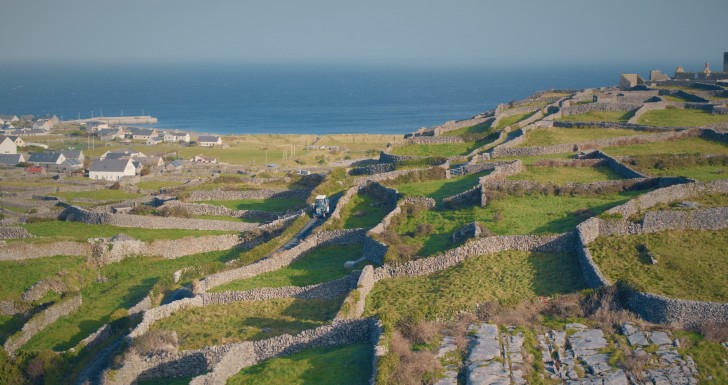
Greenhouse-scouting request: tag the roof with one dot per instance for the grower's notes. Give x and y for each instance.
(142, 131)
(177, 133)
(176, 163)
(72, 154)
(116, 155)
(208, 138)
(109, 165)
(44, 157)
(320, 196)
(10, 159)
(73, 162)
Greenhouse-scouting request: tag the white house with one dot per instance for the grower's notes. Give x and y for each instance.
(18, 141)
(43, 124)
(46, 159)
(11, 160)
(175, 137)
(203, 159)
(110, 133)
(209, 141)
(7, 146)
(111, 169)
(155, 140)
(142, 133)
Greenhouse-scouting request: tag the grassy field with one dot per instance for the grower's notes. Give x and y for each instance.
(537, 214)
(691, 264)
(323, 264)
(529, 160)
(79, 231)
(439, 189)
(505, 122)
(444, 149)
(127, 282)
(674, 117)
(552, 135)
(508, 277)
(680, 146)
(258, 150)
(705, 173)
(17, 276)
(599, 116)
(364, 211)
(476, 129)
(563, 175)
(99, 195)
(157, 184)
(350, 364)
(245, 321)
(275, 205)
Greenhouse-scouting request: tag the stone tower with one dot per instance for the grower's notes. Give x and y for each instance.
(725, 61)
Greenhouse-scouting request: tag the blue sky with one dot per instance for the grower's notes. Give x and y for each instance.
(468, 32)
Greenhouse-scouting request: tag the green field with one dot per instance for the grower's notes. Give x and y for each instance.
(551, 136)
(98, 195)
(674, 117)
(444, 149)
(599, 116)
(690, 264)
(81, 232)
(528, 214)
(508, 277)
(470, 130)
(322, 264)
(275, 205)
(563, 175)
(350, 364)
(364, 211)
(505, 122)
(155, 185)
(705, 173)
(442, 188)
(128, 282)
(245, 321)
(680, 146)
(17, 276)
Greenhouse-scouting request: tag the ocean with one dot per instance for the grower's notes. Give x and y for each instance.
(284, 99)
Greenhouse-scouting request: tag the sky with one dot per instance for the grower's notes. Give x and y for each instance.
(436, 32)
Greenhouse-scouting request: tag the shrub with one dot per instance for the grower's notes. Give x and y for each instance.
(142, 210)
(175, 211)
(425, 229)
(145, 171)
(115, 186)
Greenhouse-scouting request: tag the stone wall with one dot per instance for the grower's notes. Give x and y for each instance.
(161, 312)
(647, 107)
(374, 251)
(471, 197)
(77, 214)
(651, 307)
(503, 151)
(372, 169)
(591, 107)
(328, 290)
(207, 209)
(14, 233)
(620, 168)
(488, 245)
(282, 258)
(435, 140)
(18, 251)
(39, 322)
(223, 195)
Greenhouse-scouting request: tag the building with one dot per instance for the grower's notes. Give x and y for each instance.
(155, 140)
(630, 81)
(7, 145)
(142, 133)
(204, 159)
(11, 160)
(111, 169)
(35, 170)
(151, 161)
(70, 165)
(209, 141)
(110, 133)
(18, 141)
(120, 154)
(43, 124)
(175, 137)
(46, 159)
(76, 155)
(96, 126)
(175, 165)
(9, 118)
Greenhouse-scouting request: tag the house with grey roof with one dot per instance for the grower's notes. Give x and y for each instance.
(74, 154)
(7, 146)
(18, 141)
(11, 160)
(175, 165)
(70, 165)
(111, 169)
(110, 133)
(209, 141)
(119, 154)
(142, 133)
(46, 159)
(175, 137)
(42, 124)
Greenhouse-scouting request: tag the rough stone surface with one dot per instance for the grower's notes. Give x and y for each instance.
(224, 195)
(14, 233)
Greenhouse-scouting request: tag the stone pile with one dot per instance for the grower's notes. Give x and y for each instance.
(669, 367)
(489, 362)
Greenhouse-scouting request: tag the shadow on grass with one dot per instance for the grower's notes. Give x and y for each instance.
(556, 273)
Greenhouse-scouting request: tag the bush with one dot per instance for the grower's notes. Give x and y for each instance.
(175, 211)
(115, 186)
(227, 179)
(142, 210)
(145, 171)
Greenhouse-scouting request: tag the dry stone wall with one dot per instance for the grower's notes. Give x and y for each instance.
(14, 233)
(19, 251)
(372, 169)
(656, 308)
(328, 290)
(40, 321)
(592, 107)
(435, 140)
(207, 209)
(77, 214)
(222, 195)
(488, 245)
